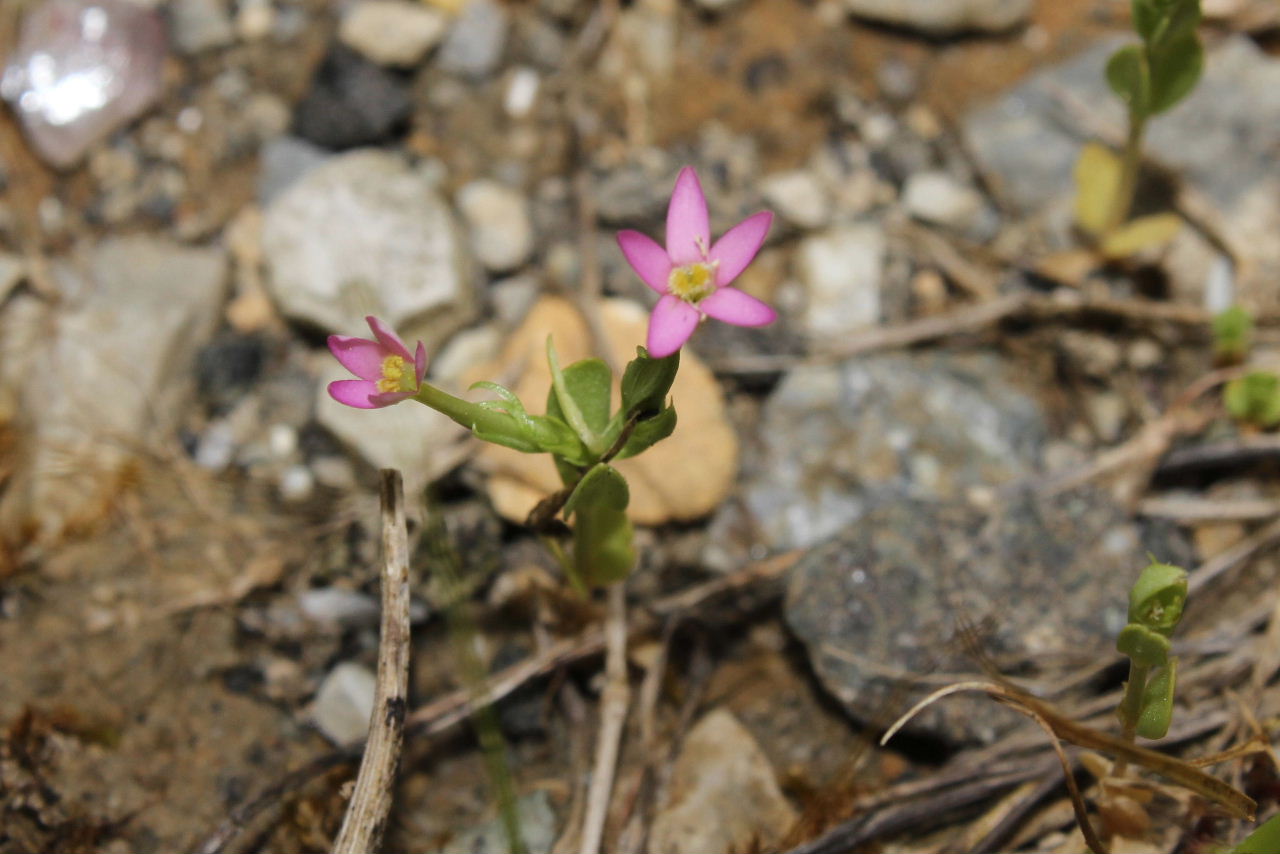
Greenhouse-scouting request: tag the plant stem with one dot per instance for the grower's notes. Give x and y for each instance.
(1131, 164)
(1130, 707)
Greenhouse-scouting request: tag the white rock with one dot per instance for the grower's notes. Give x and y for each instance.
(522, 92)
(716, 5)
(392, 32)
(344, 703)
(723, 794)
(939, 198)
(841, 269)
(498, 217)
(338, 606)
(362, 234)
(296, 483)
(200, 25)
(115, 367)
(799, 197)
(944, 16)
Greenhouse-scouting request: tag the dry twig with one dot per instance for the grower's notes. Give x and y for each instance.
(371, 801)
(613, 714)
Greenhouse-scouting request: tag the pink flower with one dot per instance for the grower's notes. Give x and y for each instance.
(693, 274)
(388, 373)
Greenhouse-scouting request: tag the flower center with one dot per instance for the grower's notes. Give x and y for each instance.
(395, 375)
(694, 282)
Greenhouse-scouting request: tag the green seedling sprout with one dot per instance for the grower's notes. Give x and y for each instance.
(1232, 335)
(1150, 77)
(1254, 399)
(1156, 602)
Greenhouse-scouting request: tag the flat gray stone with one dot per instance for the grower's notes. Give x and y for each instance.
(841, 439)
(116, 366)
(1043, 579)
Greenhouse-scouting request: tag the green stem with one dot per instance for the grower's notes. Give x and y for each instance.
(1131, 165)
(1130, 708)
(464, 412)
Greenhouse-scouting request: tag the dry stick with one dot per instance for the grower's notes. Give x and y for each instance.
(613, 714)
(371, 801)
(1232, 557)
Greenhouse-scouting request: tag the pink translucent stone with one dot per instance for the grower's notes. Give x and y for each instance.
(81, 69)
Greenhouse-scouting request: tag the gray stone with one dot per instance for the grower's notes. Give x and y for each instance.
(537, 824)
(116, 367)
(473, 47)
(940, 17)
(878, 605)
(365, 234)
(200, 25)
(392, 32)
(344, 703)
(716, 5)
(338, 606)
(799, 197)
(352, 102)
(498, 219)
(841, 270)
(1233, 116)
(839, 440)
(939, 198)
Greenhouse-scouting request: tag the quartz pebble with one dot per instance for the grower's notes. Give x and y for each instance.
(82, 69)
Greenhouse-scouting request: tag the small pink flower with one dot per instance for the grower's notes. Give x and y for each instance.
(693, 274)
(388, 373)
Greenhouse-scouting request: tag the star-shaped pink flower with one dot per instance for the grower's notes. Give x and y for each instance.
(388, 373)
(693, 274)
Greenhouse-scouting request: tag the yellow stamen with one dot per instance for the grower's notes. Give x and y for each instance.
(694, 282)
(395, 375)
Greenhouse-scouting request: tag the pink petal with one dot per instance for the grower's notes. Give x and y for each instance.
(387, 398)
(360, 356)
(647, 258)
(687, 221)
(735, 249)
(388, 338)
(357, 393)
(420, 363)
(741, 309)
(672, 322)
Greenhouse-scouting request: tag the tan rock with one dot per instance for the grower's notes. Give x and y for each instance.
(723, 794)
(683, 477)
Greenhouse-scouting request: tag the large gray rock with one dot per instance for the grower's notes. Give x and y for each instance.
(114, 366)
(363, 233)
(941, 17)
(878, 605)
(840, 440)
(1029, 143)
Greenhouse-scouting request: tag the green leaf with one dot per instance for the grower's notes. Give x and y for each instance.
(1254, 398)
(1098, 176)
(1145, 646)
(1264, 840)
(1232, 334)
(649, 432)
(603, 541)
(646, 381)
(1158, 596)
(1146, 17)
(1157, 702)
(580, 396)
(1128, 77)
(553, 436)
(1145, 232)
(1176, 67)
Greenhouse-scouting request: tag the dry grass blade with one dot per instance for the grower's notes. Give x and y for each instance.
(1235, 802)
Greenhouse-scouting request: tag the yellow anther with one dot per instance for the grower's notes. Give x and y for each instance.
(694, 282)
(395, 375)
